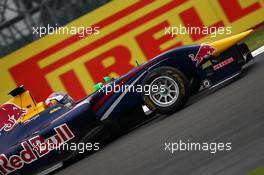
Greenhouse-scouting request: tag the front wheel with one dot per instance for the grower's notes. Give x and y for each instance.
(168, 90)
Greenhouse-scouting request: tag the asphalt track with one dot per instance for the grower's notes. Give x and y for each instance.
(233, 113)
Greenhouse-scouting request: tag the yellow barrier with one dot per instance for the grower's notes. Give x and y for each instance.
(129, 31)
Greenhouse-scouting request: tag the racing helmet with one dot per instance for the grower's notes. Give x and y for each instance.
(59, 97)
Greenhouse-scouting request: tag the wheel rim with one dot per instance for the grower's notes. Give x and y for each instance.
(167, 96)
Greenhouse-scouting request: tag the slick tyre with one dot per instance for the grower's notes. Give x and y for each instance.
(168, 90)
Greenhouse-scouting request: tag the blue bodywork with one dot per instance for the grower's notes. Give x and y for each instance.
(99, 106)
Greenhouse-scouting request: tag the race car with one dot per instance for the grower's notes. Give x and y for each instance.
(164, 84)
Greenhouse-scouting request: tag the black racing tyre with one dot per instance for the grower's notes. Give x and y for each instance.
(172, 93)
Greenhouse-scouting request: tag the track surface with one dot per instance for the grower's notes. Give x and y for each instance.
(234, 113)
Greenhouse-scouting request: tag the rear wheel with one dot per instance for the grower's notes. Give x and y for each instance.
(168, 90)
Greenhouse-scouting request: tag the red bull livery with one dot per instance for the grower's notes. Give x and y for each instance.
(205, 51)
(32, 134)
(10, 115)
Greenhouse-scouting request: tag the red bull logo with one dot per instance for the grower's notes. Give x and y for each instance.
(10, 115)
(205, 51)
(32, 150)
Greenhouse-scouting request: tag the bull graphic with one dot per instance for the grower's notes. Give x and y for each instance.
(205, 51)
(10, 115)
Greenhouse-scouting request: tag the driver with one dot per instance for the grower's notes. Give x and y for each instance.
(59, 97)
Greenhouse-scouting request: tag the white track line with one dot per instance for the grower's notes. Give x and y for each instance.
(257, 51)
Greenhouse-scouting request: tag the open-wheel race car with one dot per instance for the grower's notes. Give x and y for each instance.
(27, 128)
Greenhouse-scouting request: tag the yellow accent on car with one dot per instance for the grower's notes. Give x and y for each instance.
(207, 64)
(223, 44)
(26, 101)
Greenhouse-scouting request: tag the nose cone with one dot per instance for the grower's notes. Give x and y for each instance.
(223, 44)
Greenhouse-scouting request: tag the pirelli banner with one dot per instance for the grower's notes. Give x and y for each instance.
(117, 35)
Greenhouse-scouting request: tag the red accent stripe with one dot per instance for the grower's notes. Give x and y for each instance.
(113, 35)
